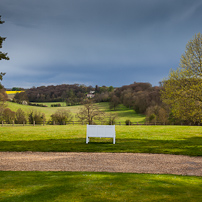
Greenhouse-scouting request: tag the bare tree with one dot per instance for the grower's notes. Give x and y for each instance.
(90, 113)
(112, 117)
(114, 102)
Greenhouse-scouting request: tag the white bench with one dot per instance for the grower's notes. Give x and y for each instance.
(107, 131)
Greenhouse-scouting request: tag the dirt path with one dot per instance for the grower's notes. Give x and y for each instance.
(101, 162)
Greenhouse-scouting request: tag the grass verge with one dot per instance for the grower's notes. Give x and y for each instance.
(88, 186)
(184, 140)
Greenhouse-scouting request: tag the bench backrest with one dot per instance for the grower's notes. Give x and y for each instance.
(101, 131)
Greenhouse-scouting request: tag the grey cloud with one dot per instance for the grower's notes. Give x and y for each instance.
(93, 37)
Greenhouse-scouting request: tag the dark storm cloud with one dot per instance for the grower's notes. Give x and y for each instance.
(105, 42)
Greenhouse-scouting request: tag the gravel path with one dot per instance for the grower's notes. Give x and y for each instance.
(101, 162)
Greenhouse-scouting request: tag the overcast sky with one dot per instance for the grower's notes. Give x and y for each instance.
(103, 42)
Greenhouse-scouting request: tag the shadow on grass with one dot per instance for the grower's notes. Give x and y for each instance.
(86, 186)
(190, 146)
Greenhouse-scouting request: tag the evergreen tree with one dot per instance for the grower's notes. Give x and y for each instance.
(2, 55)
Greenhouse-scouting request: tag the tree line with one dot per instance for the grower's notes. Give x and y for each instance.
(71, 94)
(136, 96)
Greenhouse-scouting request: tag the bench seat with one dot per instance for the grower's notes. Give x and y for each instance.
(107, 131)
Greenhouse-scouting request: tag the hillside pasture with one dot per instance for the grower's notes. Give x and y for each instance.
(123, 113)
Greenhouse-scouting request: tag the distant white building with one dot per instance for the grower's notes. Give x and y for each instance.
(24, 102)
(91, 94)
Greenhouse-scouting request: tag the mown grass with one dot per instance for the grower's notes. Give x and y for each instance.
(123, 113)
(185, 140)
(88, 186)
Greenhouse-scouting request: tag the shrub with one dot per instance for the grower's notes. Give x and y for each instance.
(37, 105)
(152, 118)
(1, 111)
(61, 116)
(112, 118)
(8, 115)
(56, 105)
(20, 117)
(157, 114)
(36, 116)
(128, 122)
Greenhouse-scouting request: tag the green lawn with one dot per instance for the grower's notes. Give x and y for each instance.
(91, 187)
(185, 140)
(123, 112)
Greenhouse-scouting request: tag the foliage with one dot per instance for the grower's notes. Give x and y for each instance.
(3, 95)
(20, 97)
(62, 116)
(114, 102)
(20, 117)
(2, 107)
(36, 116)
(157, 114)
(90, 113)
(8, 115)
(128, 122)
(2, 55)
(139, 96)
(37, 104)
(183, 89)
(71, 94)
(17, 89)
(56, 105)
(102, 97)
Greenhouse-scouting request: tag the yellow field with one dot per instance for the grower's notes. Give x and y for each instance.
(13, 92)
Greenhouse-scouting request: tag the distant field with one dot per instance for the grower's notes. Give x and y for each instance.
(13, 92)
(123, 112)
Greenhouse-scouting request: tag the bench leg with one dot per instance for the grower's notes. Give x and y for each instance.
(114, 140)
(87, 140)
